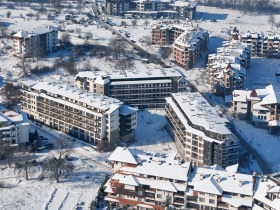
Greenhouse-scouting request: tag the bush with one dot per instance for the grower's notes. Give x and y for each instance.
(40, 70)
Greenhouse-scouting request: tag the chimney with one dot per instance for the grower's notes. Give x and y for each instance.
(267, 187)
(240, 182)
(265, 178)
(218, 179)
(201, 176)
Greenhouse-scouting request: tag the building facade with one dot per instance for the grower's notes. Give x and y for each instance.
(35, 42)
(189, 46)
(155, 9)
(260, 106)
(227, 68)
(91, 117)
(138, 88)
(200, 134)
(14, 127)
(146, 180)
(262, 45)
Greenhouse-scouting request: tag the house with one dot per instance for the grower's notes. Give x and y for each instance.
(259, 106)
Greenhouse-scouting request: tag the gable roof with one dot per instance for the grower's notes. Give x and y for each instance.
(123, 154)
(209, 185)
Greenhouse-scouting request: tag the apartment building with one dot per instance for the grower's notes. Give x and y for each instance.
(260, 106)
(156, 9)
(227, 68)
(267, 195)
(14, 127)
(200, 134)
(214, 187)
(141, 88)
(189, 46)
(91, 117)
(262, 45)
(145, 180)
(161, 35)
(35, 42)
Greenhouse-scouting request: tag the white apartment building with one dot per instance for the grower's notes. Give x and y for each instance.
(88, 116)
(35, 42)
(14, 127)
(260, 106)
(141, 88)
(144, 180)
(200, 134)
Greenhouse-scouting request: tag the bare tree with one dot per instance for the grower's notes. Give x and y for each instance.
(87, 66)
(146, 22)
(134, 23)
(119, 46)
(65, 39)
(123, 23)
(77, 51)
(3, 30)
(11, 95)
(88, 35)
(37, 16)
(23, 162)
(271, 20)
(7, 152)
(125, 63)
(8, 14)
(277, 25)
(24, 66)
(56, 165)
(147, 40)
(70, 65)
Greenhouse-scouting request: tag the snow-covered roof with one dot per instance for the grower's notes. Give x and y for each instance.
(269, 95)
(217, 181)
(200, 112)
(126, 110)
(115, 76)
(263, 187)
(13, 117)
(84, 99)
(35, 31)
(154, 164)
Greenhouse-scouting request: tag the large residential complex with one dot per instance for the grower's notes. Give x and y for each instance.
(145, 180)
(35, 42)
(260, 106)
(156, 9)
(188, 42)
(14, 127)
(200, 134)
(146, 88)
(88, 116)
(263, 45)
(227, 68)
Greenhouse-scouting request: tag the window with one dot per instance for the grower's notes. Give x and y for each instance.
(159, 196)
(211, 201)
(201, 199)
(212, 195)
(140, 192)
(201, 193)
